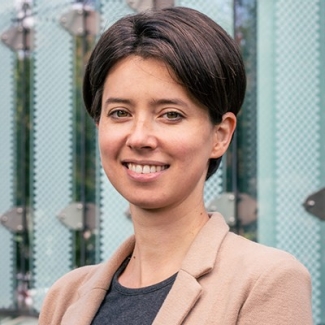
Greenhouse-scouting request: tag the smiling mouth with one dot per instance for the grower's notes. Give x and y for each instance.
(146, 169)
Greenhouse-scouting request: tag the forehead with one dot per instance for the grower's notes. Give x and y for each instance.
(143, 74)
(152, 66)
(133, 71)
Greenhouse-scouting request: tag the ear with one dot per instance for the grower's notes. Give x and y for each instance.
(223, 133)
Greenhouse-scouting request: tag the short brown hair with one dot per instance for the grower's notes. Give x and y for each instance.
(203, 57)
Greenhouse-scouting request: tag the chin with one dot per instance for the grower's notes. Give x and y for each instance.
(148, 204)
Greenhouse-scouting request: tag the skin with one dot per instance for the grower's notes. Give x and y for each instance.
(149, 119)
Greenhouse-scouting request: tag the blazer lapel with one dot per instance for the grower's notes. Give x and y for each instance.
(181, 299)
(83, 311)
(199, 260)
(92, 293)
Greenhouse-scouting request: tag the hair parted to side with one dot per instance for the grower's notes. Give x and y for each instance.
(203, 57)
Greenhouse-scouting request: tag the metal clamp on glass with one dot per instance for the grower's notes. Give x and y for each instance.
(76, 216)
(16, 220)
(141, 5)
(80, 20)
(225, 204)
(315, 204)
(20, 36)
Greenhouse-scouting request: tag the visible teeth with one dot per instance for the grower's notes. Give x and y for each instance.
(138, 169)
(145, 169)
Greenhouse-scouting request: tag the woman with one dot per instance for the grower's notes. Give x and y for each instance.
(164, 88)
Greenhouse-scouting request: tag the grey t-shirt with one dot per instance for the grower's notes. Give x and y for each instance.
(124, 306)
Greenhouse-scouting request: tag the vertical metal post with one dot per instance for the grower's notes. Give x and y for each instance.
(234, 145)
(245, 136)
(23, 130)
(82, 22)
(83, 145)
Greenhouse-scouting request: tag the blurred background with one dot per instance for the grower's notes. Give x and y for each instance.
(57, 209)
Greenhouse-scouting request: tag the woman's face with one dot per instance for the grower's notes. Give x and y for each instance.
(155, 140)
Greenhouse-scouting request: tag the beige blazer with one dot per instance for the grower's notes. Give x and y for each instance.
(225, 279)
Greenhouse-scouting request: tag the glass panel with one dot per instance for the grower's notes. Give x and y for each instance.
(7, 159)
(321, 301)
(289, 122)
(85, 166)
(52, 141)
(112, 10)
(219, 10)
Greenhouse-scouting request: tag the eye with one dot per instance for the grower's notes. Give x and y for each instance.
(173, 116)
(119, 113)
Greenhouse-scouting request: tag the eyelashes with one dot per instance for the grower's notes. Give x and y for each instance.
(170, 116)
(119, 113)
(173, 116)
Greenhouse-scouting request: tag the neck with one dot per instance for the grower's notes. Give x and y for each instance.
(162, 241)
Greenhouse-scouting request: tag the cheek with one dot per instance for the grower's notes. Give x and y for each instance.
(195, 147)
(107, 143)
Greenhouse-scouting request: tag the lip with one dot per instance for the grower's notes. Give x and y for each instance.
(143, 162)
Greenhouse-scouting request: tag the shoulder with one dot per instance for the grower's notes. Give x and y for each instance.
(64, 292)
(272, 283)
(238, 257)
(264, 270)
(259, 256)
(76, 277)
(65, 289)
(276, 286)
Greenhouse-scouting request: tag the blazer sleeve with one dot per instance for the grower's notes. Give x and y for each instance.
(281, 295)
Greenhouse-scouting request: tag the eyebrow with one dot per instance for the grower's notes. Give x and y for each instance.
(117, 100)
(169, 101)
(154, 102)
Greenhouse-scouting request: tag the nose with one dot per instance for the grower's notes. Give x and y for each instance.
(142, 135)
